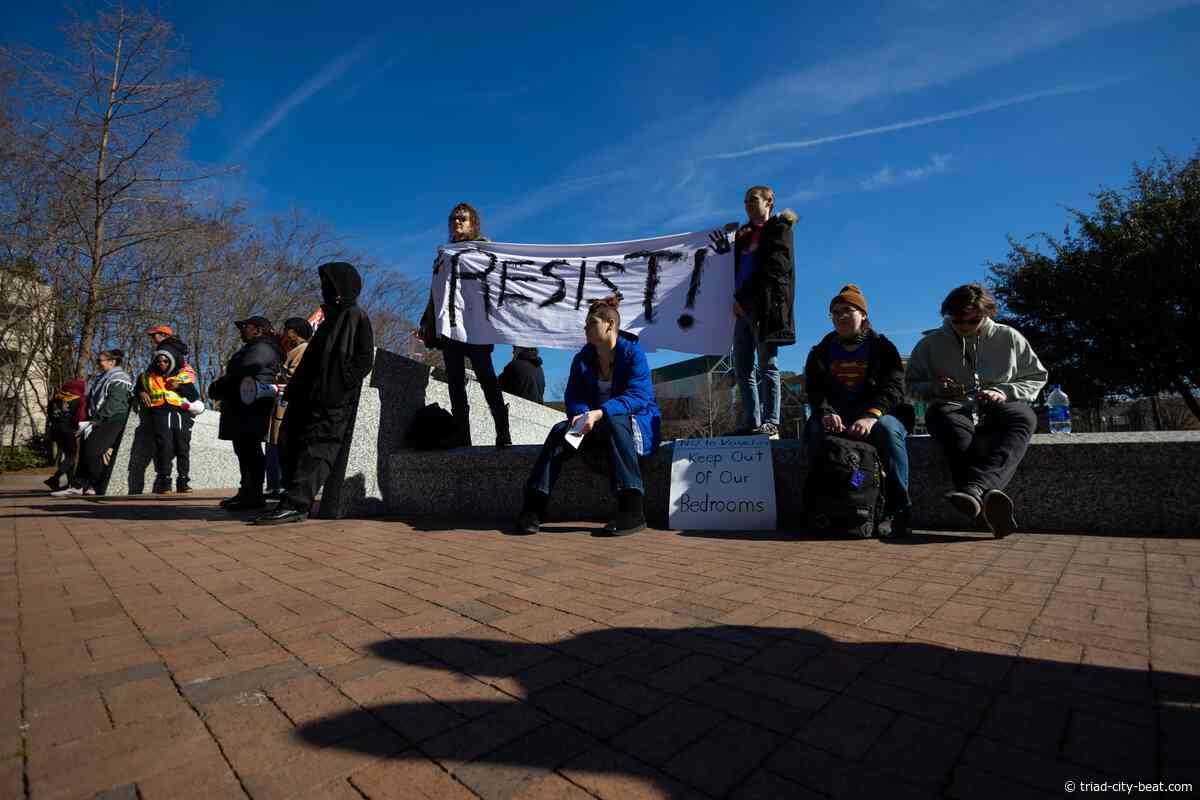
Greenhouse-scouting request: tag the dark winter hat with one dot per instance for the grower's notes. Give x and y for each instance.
(261, 322)
(852, 295)
(300, 325)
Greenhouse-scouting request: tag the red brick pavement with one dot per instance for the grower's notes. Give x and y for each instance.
(161, 648)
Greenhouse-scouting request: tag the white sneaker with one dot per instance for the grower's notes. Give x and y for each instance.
(89, 490)
(768, 429)
(70, 491)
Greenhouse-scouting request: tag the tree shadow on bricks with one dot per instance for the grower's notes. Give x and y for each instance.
(744, 711)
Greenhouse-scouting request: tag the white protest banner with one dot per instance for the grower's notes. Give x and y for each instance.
(727, 483)
(676, 291)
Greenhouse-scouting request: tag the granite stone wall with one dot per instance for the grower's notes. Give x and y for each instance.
(1138, 484)
(395, 390)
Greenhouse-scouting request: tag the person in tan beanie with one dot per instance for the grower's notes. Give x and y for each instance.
(855, 378)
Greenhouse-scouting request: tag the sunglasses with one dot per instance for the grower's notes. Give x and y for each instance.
(966, 321)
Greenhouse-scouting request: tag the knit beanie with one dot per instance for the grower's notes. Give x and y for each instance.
(850, 294)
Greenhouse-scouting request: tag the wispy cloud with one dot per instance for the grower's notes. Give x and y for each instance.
(886, 176)
(961, 113)
(327, 75)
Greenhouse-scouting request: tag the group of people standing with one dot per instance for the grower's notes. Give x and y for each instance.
(978, 377)
(300, 403)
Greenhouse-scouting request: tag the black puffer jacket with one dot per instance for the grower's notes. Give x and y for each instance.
(882, 390)
(259, 359)
(770, 292)
(523, 376)
(342, 351)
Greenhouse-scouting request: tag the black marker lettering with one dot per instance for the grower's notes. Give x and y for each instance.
(582, 279)
(505, 279)
(482, 277)
(698, 258)
(561, 291)
(618, 266)
(651, 292)
(453, 289)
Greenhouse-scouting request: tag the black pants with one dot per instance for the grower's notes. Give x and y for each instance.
(68, 443)
(986, 456)
(252, 463)
(172, 442)
(456, 357)
(310, 442)
(142, 452)
(92, 470)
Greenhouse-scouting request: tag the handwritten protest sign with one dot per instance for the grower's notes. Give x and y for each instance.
(726, 483)
(676, 291)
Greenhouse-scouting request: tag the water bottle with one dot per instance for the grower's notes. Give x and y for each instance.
(1060, 410)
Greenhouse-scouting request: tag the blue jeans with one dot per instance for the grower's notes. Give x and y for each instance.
(889, 438)
(611, 435)
(765, 380)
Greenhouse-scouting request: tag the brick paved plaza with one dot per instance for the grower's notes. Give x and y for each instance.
(161, 648)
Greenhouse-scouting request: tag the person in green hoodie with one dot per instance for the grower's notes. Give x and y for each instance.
(979, 377)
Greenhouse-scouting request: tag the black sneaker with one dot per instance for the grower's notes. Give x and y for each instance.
(228, 501)
(895, 526)
(183, 486)
(280, 515)
(246, 504)
(998, 513)
(527, 522)
(967, 500)
(624, 524)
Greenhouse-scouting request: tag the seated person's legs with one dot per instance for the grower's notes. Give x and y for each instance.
(1005, 431)
(890, 439)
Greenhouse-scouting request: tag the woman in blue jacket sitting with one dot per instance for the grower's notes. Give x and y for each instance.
(610, 400)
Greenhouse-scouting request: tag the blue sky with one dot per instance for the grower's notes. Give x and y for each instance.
(910, 137)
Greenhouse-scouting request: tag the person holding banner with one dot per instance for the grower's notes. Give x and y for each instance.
(855, 379)
(246, 418)
(764, 291)
(464, 226)
(610, 407)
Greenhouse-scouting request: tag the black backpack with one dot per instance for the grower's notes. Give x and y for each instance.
(62, 412)
(844, 492)
(432, 428)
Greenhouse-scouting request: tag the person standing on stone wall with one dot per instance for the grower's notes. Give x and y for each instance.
(245, 410)
(764, 291)
(296, 333)
(523, 376)
(465, 227)
(980, 377)
(322, 397)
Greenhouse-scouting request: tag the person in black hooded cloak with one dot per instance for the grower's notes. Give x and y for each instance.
(323, 394)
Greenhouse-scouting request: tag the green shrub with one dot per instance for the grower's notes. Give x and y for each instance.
(34, 453)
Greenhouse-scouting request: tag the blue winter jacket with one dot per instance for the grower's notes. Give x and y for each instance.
(632, 392)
